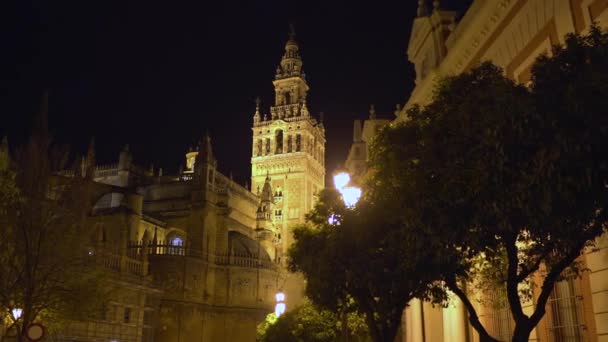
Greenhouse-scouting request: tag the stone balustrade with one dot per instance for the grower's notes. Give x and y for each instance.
(143, 250)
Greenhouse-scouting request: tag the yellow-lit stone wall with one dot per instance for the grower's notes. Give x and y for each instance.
(288, 147)
(511, 34)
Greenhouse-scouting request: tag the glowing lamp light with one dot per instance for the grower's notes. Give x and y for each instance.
(279, 309)
(340, 180)
(17, 313)
(351, 196)
(333, 220)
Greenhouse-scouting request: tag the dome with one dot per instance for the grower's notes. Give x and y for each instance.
(244, 246)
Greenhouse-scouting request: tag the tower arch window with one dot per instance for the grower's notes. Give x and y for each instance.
(259, 147)
(289, 144)
(287, 97)
(267, 146)
(279, 141)
(298, 142)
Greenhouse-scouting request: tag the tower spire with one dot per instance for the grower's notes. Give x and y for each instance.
(292, 32)
(291, 63)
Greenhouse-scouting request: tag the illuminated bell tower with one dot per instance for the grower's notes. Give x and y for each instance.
(289, 150)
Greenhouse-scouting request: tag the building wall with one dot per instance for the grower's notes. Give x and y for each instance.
(511, 34)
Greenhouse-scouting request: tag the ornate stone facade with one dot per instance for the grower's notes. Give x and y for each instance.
(196, 256)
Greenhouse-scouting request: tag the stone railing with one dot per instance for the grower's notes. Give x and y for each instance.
(243, 261)
(142, 250)
(106, 167)
(116, 262)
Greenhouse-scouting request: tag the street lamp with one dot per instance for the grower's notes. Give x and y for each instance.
(350, 194)
(279, 309)
(341, 179)
(17, 313)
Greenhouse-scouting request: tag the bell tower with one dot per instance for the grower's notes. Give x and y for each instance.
(289, 153)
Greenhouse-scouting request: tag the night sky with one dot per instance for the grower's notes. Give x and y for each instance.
(158, 75)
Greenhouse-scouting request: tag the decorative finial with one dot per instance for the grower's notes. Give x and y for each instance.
(304, 110)
(422, 10)
(268, 175)
(436, 5)
(91, 158)
(256, 116)
(397, 110)
(292, 32)
(372, 112)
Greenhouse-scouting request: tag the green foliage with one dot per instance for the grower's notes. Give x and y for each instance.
(270, 319)
(365, 259)
(309, 323)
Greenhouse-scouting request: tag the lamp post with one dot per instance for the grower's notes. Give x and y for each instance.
(17, 312)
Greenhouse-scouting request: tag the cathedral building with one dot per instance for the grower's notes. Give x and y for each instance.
(194, 255)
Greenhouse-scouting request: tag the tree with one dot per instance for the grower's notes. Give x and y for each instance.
(507, 180)
(360, 256)
(44, 266)
(310, 323)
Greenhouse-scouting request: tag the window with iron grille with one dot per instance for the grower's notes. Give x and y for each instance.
(565, 305)
(498, 317)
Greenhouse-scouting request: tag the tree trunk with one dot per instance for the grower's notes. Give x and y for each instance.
(473, 318)
(371, 325)
(522, 332)
(345, 334)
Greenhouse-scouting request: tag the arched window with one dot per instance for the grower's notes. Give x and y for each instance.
(267, 146)
(259, 147)
(289, 144)
(279, 141)
(287, 96)
(176, 246)
(298, 142)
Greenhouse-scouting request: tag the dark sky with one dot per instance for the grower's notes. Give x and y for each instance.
(158, 74)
